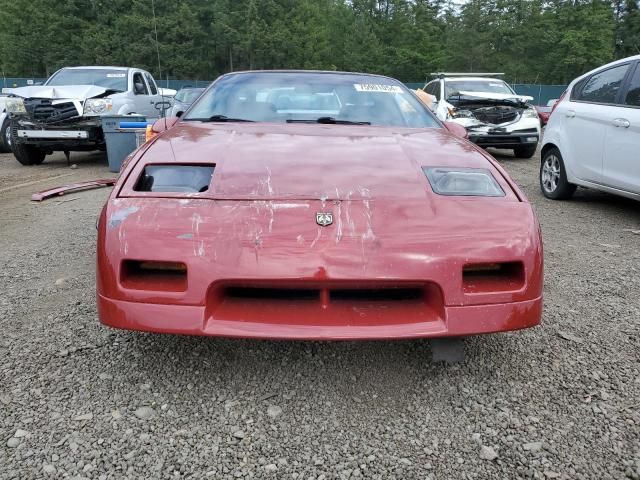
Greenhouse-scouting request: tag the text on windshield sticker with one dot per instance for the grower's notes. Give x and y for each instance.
(372, 87)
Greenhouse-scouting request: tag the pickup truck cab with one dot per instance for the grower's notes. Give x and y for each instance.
(64, 113)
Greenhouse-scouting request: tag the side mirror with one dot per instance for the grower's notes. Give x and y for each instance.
(162, 107)
(457, 129)
(164, 124)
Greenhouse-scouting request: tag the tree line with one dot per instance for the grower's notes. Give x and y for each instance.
(532, 41)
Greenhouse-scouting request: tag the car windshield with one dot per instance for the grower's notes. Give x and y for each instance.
(310, 97)
(480, 86)
(188, 95)
(102, 77)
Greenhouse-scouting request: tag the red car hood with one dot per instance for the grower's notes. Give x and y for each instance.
(316, 161)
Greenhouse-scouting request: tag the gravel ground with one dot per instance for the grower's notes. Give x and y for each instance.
(80, 401)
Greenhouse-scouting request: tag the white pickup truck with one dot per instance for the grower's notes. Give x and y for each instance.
(64, 113)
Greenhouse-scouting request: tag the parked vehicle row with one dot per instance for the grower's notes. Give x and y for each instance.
(589, 141)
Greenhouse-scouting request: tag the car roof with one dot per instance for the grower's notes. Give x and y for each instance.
(474, 79)
(633, 58)
(323, 72)
(94, 67)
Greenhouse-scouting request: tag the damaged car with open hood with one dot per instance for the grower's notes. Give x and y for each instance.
(65, 113)
(488, 108)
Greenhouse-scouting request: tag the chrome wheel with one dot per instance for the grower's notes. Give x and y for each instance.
(550, 173)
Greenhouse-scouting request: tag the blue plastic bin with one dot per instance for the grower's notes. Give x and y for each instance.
(120, 141)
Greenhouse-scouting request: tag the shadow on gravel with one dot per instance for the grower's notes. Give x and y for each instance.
(380, 367)
(585, 196)
(599, 205)
(507, 155)
(89, 159)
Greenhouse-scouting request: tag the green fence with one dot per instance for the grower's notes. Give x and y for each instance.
(9, 82)
(541, 93)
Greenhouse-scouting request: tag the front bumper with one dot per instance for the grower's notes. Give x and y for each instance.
(250, 274)
(197, 320)
(54, 134)
(525, 131)
(504, 139)
(79, 134)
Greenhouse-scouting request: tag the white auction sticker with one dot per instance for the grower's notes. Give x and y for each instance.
(116, 75)
(372, 87)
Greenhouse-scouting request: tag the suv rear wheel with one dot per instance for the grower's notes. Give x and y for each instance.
(526, 151)
(25, 154)
(553, 176)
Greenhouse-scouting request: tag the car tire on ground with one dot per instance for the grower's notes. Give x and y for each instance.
(553, 176)
(5, 136)
(526, 151)
(25, 154)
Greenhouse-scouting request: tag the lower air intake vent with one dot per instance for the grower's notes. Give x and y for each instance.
(493, 277)
(333, 303)
(154, 276)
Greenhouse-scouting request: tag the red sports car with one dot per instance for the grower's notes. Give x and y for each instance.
(316, 205)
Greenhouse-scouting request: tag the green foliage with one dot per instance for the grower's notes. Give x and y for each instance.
(544, 41)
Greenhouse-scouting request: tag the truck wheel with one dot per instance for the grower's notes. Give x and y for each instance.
(5, 136)
(25, 154)
(526, 151)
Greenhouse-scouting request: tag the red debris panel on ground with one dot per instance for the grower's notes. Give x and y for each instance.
(72, 187)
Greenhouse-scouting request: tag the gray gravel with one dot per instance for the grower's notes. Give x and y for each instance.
(80, 401)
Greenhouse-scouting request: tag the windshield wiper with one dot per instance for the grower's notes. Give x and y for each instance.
(327, 120)
(223, 118)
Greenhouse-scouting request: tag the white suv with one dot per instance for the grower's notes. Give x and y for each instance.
(593, 135)
(493, 114)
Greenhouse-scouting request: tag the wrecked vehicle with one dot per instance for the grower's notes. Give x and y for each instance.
(64, 113)
(316, 205)
(493, 114)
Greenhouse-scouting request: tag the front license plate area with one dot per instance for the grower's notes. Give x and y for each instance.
(53, 134)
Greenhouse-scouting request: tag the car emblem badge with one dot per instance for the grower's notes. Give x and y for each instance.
(324, 219)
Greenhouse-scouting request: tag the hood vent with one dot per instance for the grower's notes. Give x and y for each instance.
(175, 178)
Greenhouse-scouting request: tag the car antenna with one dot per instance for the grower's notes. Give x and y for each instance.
(155, 29)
